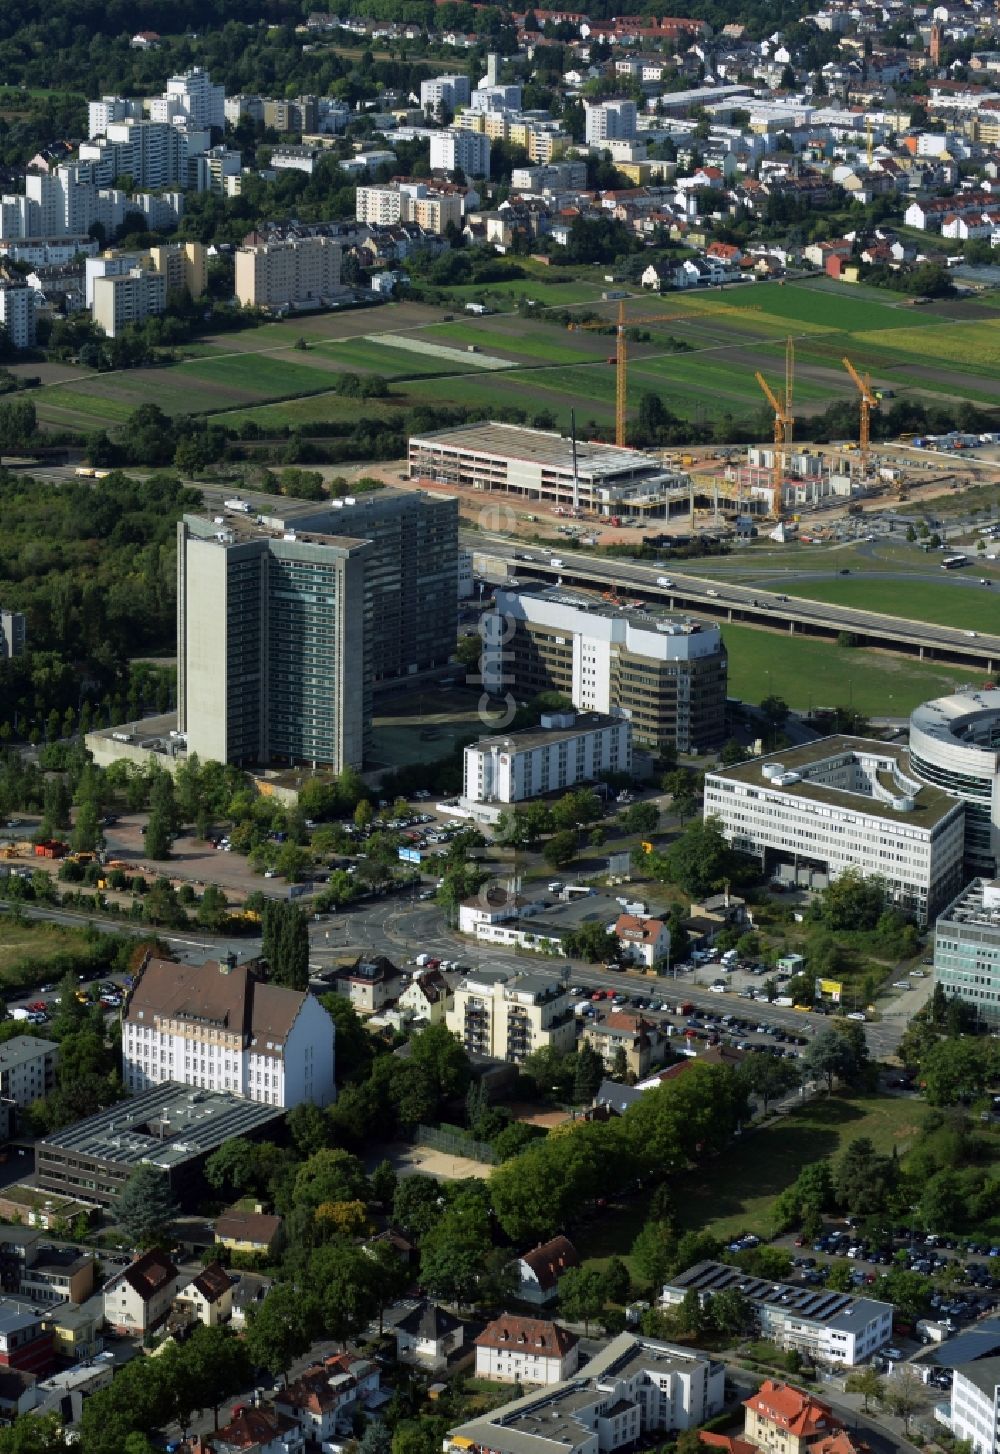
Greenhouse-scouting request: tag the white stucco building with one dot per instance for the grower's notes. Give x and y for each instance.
(566, 749)
(526, 1350)
(975, 1404)
(609, 121)
(812, 812)
(218, 1026)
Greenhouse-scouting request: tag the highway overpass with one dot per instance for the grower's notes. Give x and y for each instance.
(979, 651)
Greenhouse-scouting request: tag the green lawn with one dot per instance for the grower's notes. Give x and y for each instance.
(916, 600)
(808, 673)
(313, 408)
(736, 1191)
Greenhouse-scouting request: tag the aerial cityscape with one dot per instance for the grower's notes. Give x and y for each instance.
(499, 728)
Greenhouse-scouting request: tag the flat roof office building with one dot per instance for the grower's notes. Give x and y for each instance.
(812, 812)
(170, 1126)
(834, 1327)
(666, 674)
(967, 950)
(287, 618)
(955, 745)
(538, 465)
(567, 748)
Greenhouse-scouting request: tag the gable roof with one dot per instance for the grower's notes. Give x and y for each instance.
(628, 926)
(215, 996)
(240, 1226)
(527, 1335)
(213, 1282)
(148, 1274)
(792, 1409)
(251, 1428)
(550, 1260)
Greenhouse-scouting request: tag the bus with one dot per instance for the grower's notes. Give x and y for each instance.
(953, 562)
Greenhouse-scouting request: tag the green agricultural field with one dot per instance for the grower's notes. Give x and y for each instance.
(917, 600)
(314, 408)
(545, 343)
(845, 311)
(973, 344)
(808, 672)
(551, 295)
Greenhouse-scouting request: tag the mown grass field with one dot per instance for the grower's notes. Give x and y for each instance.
(26, 949)
(807, 672)
(730, 334)
(965, 607)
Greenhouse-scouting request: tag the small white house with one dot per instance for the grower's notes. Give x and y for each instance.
(209, 1296)
(643, 941)
(526, 1350)
(428, 1336)
(539, 1270)
(140, 1296)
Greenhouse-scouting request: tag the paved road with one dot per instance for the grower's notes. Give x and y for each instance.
(734, 601)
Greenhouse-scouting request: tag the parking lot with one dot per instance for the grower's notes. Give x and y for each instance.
(681, 1020)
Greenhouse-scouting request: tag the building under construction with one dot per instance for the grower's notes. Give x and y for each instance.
(538, 466)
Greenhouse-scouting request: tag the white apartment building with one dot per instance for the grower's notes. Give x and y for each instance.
(567, 748)
(456, 147)
(609, 121)
(219, 1027)
(17, 313)
(496, 98)
(815, 811)
(129, 297)
(526, 1350)
(975, 1405)
(153, 153)
(507, 1016)
(835, 1328)
(450, 91)
(27, 1069)
(67, 203)
(634, 1388)
(100, 114)
(299, 272)
(191, 96)
(415, 202)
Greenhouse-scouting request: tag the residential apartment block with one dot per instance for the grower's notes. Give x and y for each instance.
(967, 950)
(834, 1327)
(567, 748)
(13, 633)
(184, 266)
(541, 138)
(843, 803)
(153, 153)
(455, 147)
(429, 208)
(507, 1016)
(664, 673)
(27, 1069)
(17, 313)
(445, 91)
(609, 121)
(630, 1392)
(296, 272)
(526, 1350)
(67, 203)
(219, 1027)
(128, 298)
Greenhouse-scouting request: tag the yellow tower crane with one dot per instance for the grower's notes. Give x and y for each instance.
(784, 420)
(622, 324)
(869, 401)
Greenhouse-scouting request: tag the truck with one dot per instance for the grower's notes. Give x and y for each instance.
(664, 581)
(556, 563)
(19, 1013)
(240, 507)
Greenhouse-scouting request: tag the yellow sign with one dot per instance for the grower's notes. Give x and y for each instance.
(647, 848)
(832, 987)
